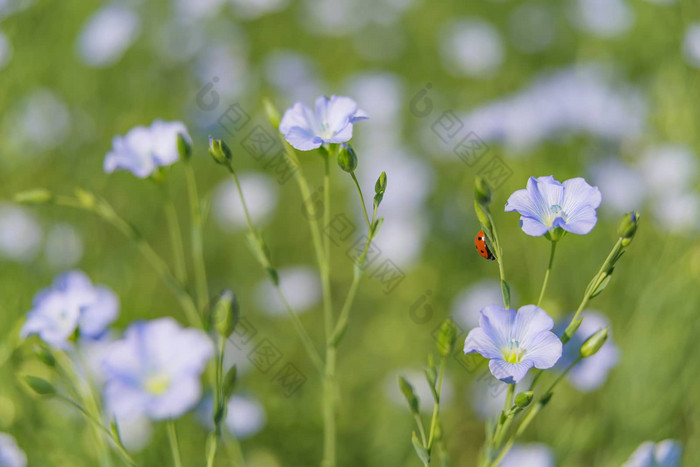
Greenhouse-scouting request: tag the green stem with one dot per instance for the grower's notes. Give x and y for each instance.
(499, 259)
(176, 241)
(200, 271)
(362, 200)
(107, 213)
(421, 430)
(546, 274)
(296, 322)
(98, 425)
(219, 403)
(174, 445)
(533, 412)
(436, 406)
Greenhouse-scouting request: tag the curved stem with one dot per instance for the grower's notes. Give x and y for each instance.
(105, 211)
(546, 274)
(200, 270)
(362, 199)
(174, 445)
(176, 241)
(436, 406)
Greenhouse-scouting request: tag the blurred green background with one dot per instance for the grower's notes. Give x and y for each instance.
(66, 91)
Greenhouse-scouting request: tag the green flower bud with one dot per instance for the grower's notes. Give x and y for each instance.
(44, 355)
(482, 215)
(482, 191)
(226, 313)
(85, 198)
(38, 196)
(408, 393)
(220, 151)
(523, 399)
(628, 225)
(347, 159)
(184, 147)
(594, 343)
(447, 338)
(380, 186)
(273, 116)
(40, 385)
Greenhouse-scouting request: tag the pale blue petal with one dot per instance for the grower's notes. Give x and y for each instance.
(533, 227)
(182, 396)
(522, 202)
(581, 221)
(510, 373)
(478, 341)
(668, 453)
(303, 139)
(530, 321)
(578, 192)
(497, 322)
(342, 136)
(340, 110)
(297, 116)
(552, 192)
(96, 317)
(643, 456)
(543, 350)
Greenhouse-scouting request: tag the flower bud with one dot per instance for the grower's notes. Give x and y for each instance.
(226, 313)
(273, 116)
(523, 399)
(44, 355)
(230, 382)
(594, 343)
(408, 393)
(85, 198)
(220, 151)
(347, 159)
(38, 196)
(482, 216)
(40, 385)
(628, 225)
(184, 147)
(447, 338)
(380, 186)
(482, 191)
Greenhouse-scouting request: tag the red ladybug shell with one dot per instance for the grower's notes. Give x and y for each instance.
(481, 247)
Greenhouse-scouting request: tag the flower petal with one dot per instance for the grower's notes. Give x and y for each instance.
(581, 221)
(299, 115)
(339, 111)
(342, 136)
(522, 202)
(303, 139)
(578, 192)
(543, 350)
(497, 322)
(529, 322)
(478, 341)
(533, 227)
(510, 373)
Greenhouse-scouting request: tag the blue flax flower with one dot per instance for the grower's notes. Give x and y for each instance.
(547, 204)
(514, 341)
(665, 453)
(144, 149)
(10, 454)
(154, 370)
(71, 302)
(331, 122)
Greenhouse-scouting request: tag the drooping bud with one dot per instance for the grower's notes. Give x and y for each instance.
(38, 196)
(40, 385)
(594, 343)
(273, 116)
(482, 216)
(220, 151)
(380, 186)
(408, 393)
(628, 227)
(347, 159)
(447, 338)
(226, 314)
(184, 147)
(523, 399)
(482, 191)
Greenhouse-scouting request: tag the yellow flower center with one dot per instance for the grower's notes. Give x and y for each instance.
(513, 353)
(157, 384)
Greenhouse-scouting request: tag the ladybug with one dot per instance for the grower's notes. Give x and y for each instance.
(482, 247)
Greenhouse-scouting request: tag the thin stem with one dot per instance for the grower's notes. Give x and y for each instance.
(117, 442)
(176, 241)
(362, 199)
(174, 445)
(436, 405)
(499, 259)
(200, 271)
(327, 299)
(546, 274)
(107, 213)
(509, 397)
(219, 403)
(296, 322)
(421, 430)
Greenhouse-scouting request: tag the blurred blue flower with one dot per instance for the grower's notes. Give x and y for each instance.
(528, 455)
(590, 373)
(71, 303)
(331, 122)
(665, 453)
(154, 369)
(10, 454)
(245, 416)
(547, 204)
(143, 149)
(514, 341)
